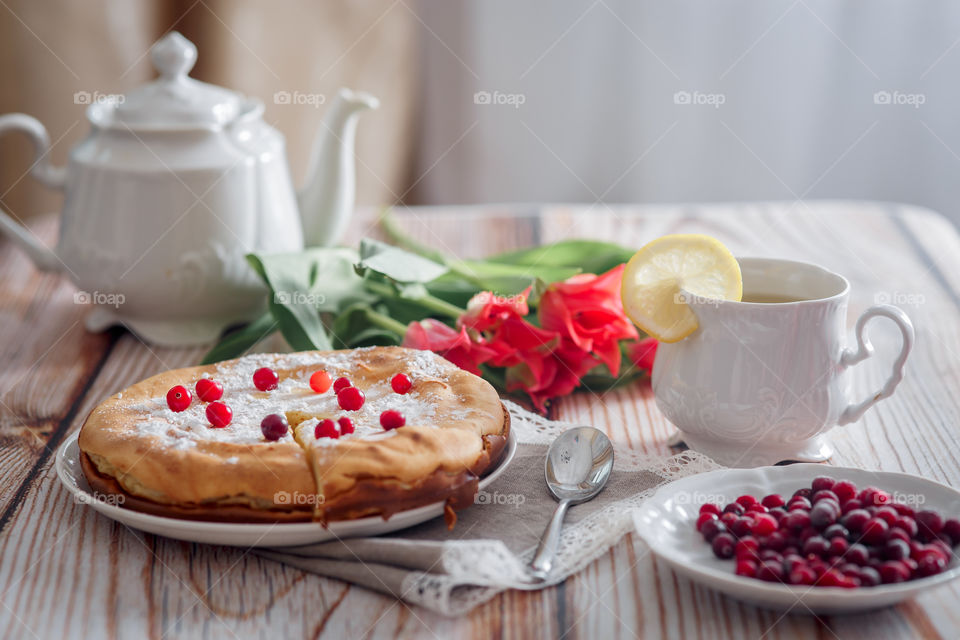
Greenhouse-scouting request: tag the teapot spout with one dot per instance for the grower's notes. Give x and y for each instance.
(326, 201)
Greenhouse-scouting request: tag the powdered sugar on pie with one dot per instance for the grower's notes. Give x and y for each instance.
(454, 423)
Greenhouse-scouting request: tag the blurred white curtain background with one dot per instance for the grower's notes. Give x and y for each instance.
(630, 101)
(613, 100)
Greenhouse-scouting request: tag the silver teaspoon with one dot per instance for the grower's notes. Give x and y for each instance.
(578, 466)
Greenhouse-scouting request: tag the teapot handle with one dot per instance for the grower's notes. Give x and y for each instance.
(41, 169)
(864, 350)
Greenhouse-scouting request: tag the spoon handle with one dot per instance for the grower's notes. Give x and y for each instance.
(543, 560)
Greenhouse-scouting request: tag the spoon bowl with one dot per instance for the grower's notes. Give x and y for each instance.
(578, 464)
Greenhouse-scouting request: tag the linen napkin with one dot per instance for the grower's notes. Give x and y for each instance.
(451, 572)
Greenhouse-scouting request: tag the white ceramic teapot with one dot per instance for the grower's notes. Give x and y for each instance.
(175, 183)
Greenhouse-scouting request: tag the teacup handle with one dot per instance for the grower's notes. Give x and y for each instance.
(864, 350)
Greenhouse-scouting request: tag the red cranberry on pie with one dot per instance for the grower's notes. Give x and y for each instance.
(392, 419)
(209, 390)
(274, 426)
(350, 399)
(179, 398)
(326, 428)
(401, 383)
(320, 381)
(219, 414)
(346, 425)
(265, 379)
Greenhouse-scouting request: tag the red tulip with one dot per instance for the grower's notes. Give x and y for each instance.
(551, 375)
(581, 325)
(642, 353)
(487, 310)
(456, 346)
(586, 309)
(516, 340)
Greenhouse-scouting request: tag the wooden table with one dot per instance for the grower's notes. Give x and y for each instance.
(66, 571)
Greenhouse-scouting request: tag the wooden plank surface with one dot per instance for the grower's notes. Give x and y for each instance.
(67, 572)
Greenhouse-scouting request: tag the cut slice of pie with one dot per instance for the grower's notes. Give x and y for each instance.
(177, 464)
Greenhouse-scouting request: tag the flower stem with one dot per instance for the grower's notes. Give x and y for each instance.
(388, 222)
(386, 322)
(466, 273)
(440, 306)
(429, 301)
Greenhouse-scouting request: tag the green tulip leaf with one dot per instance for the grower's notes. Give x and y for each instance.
(239, 342)
(397, 264)
(510, 279)
(590, 256)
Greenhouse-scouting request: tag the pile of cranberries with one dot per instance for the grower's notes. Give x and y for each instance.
(219, 414)
(351, 398)
(275, 425)
(831, 535)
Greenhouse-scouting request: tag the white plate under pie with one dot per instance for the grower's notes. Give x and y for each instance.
(666, 522)
(249, 535)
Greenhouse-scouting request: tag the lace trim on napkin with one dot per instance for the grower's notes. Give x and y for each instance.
(475, 571)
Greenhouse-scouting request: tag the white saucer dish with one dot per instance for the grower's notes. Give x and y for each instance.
(248, 535)
(666, 522)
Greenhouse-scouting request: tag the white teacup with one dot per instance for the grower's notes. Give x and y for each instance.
(762, 382)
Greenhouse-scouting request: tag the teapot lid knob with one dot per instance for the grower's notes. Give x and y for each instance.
(173, 55)
(174, 100)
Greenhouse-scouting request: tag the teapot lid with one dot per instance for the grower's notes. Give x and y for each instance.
(174, 100)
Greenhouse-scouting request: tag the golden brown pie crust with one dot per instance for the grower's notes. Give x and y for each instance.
(420, 464)
(370, 498)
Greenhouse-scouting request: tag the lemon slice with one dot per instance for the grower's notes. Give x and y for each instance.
(657, 276)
